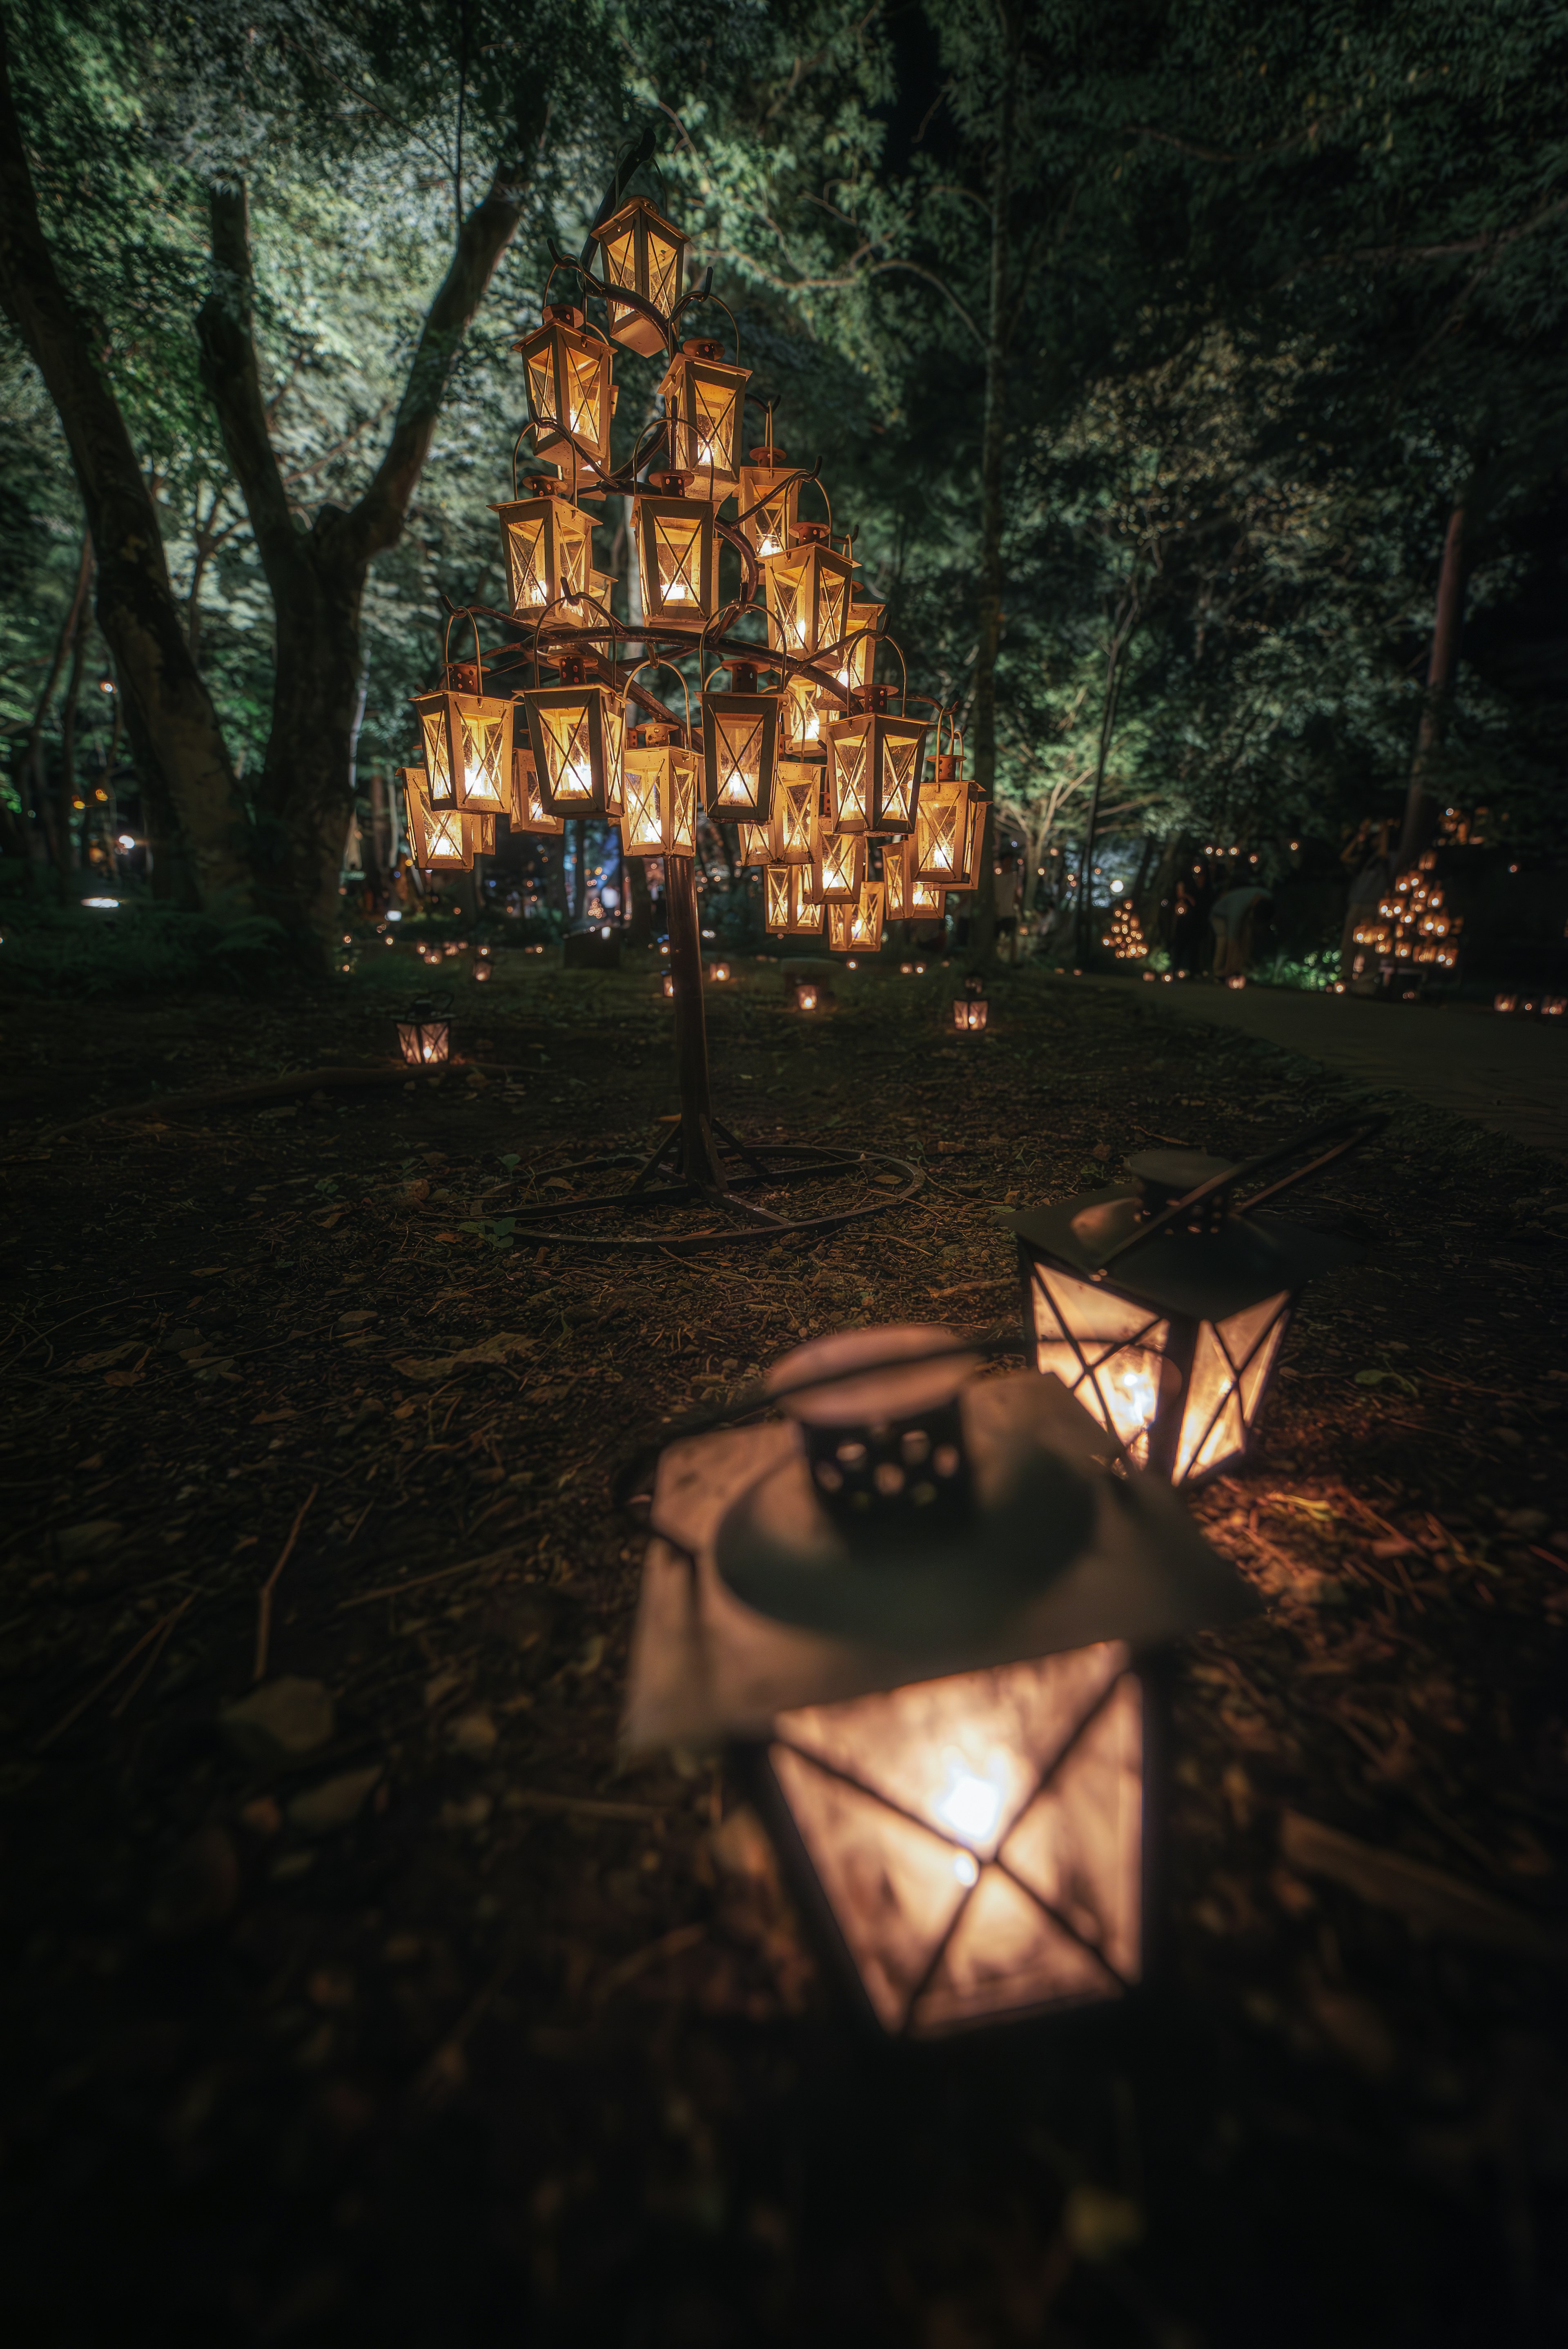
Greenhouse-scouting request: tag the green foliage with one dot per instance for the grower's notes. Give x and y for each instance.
(141, 949)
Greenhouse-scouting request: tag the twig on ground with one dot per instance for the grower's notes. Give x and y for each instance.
(265, 1604)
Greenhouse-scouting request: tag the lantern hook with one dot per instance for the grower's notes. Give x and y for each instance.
(1356, 1126)
(462, 612)
(657, 663)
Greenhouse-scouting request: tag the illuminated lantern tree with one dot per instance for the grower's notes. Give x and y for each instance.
(921, 1604)
(704, 395)
(567, 367)
(640, 251)
(1162, 1306)
(1125, 937)
(676, 554)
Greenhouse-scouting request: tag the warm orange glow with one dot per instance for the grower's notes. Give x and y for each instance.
(970, 1011)
(978, 1838)
(424, 1043)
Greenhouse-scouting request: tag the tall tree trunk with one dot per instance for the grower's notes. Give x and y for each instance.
(317, 575)
(173, 727)
(1420, 811)
(983, 918)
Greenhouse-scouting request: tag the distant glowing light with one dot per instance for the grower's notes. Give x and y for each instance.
(110, 904)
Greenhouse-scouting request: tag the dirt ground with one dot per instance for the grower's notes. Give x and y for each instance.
(420, 2022)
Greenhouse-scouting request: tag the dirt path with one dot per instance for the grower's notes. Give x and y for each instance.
(1508, 1074)
(417, 2022)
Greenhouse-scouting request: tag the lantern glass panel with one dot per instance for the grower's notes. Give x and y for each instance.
(769, 526)
(756, 844)
(676, 553)
(840, 919)
(806, 908)
(979, 1837)
(528, 810)
(895, 884)
(578, 735)
(1231, 1363)
(775, 897)
(901, 755)
(939, 839)
(706, 396)
(1106, 1350)
(549, 552)
(569, 392)
(440, 787)
(850, 774)
(843, 867)
(569, 752)
(740, 745)
(866, 922)
(800, 716)
(793, 832)
(486, 733)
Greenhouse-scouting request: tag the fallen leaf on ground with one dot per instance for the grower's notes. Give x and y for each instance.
(336, 1803)
(496, 1349)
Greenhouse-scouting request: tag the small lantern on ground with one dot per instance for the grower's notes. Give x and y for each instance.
(740, 749)
(704, 394)
(769, 495)
(577, 734)
(641, 251)
(970, 1009)
(805, 993)
(1163, 1307)
(676, 553)
(425, 1037)
(566, 366)
(873, 766)
(549, 545)
(919, 1602)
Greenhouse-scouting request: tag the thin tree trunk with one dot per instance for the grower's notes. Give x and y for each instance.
(174, 729)
(1126, 620)
(1419, 805)
(39, 833)
(65, 822)
(983, 918)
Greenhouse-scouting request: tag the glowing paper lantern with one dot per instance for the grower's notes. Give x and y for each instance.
(919, 1600)
(1171, 1342)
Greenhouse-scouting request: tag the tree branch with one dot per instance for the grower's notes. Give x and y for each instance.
(229, 370)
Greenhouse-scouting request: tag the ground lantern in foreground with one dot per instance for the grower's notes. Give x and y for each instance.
(919, 1602)
(425, 1037)
(970, 1009)
(1163, 1308)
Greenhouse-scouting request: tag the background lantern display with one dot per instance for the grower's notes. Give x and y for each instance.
(577, 733)
(642, 251)
(1125, 936)
(703, 396)
(425, 1037)
(566, 366)
(1163, 1308)
(919, 1600)
(970, 1009)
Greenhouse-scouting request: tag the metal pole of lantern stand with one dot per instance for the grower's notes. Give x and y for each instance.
(699, 1162)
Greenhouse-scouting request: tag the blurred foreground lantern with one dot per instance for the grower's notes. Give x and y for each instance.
(970, 1009)
(577, 732)
(804, 993)
(918, 1603)
(739, 748)
(1163, 1307)
(641, 251)
(704, 394)
(424, 1038)
(566, 364)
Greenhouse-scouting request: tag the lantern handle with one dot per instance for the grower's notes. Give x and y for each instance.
(815, 476)
(800, 473)
(447, 644)
(657, 663)
(704, 293)
(1357, 1126)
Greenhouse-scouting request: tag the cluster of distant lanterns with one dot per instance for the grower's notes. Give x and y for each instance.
(824, 768)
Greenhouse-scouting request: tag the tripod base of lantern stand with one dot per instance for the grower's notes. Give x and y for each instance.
(662, 1188)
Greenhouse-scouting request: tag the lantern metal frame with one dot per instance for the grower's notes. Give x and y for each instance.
(1165, 1306)
(562, 355)
(676, 544)
(466, 735)
(704, 434)
(671, 771)
(548, 525)
(727, 718)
